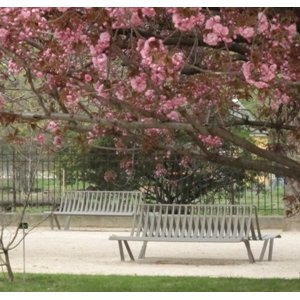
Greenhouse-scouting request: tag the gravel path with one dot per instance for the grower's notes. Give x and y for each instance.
(90, 252)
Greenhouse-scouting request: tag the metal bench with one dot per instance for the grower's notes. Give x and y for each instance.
(95, 203)
(196, 223)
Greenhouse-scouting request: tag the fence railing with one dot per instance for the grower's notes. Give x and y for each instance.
(43, 177)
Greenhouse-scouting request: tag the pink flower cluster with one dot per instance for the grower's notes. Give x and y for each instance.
(100, 89)
(96, 132)
(155, 56)
(53, 127)
(99, 58)
(259, 76)
(72, 100)
(160, 170)
(210, 140)
(178, 60)
(3, 35)
(246, 32)
(263, 23)
(184, 21)
(139, 82)
(127, 17)
(279, 98)
(292, 31)
(40, 139)
(173, 104)
(69, 38)
(218, 32)
(152, 52)
(13, 67)
(150, 49)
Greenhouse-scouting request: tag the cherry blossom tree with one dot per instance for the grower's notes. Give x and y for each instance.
(159, 80)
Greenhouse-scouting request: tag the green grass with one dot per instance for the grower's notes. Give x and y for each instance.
(116, 283)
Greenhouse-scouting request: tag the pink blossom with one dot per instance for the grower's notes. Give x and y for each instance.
(72, 100)
(247, 32)
(104, 40)
(40, 138)
(210, 140)
(174, 116)
(57, 141)
(267, 72)
(150, 48)
(13, 67)
(39, 74)
(87, 77)
(264, 74)
(186, 23)
(139, 82)
(150, 94)
(292, 31)
(100, 64)
(62, 9)
(178, 60)
(211, 39)
(185, 162)
(209, 24)
(100, 89)
(3, 35)
(285, 99)
(120, 92)
(160, 170)
(263, 23)
(148, 11)
(173, 104)
(220, 30)
(158, 74)
(53, 127)
(135, 20)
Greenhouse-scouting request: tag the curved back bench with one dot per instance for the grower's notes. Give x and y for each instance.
(96, 203)
(196, 223)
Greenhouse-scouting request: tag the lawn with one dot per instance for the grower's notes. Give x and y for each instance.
(116, 283)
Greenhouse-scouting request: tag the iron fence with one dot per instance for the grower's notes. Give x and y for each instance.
(42, 176)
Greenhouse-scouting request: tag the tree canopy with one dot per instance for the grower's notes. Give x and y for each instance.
(159, 80)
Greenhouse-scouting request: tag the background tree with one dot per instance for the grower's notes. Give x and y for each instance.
(153, 77)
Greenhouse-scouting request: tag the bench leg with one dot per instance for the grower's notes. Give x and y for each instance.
(128, 250)
(121, 250)
(54, 217)
(270, 249)
(67, 223)
(143, 250)
(56, 221)
(263, 251)
(250, 254)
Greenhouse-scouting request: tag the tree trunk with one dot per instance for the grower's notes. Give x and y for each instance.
(292, 203)
(8, 265)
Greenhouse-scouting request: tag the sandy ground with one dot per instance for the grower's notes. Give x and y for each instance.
(90, 252)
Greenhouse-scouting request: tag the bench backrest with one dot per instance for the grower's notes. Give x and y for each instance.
(100, 201)
(196, 221)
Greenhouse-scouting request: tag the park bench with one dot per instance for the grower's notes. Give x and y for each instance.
(95, 203)
(196, 223)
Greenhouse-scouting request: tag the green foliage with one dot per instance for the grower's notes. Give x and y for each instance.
(116, 283)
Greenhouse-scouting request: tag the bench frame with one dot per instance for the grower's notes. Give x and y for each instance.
(95, 203)
(196, 223)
